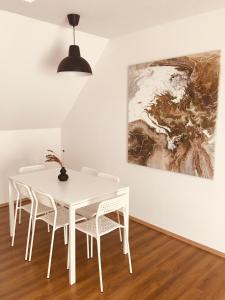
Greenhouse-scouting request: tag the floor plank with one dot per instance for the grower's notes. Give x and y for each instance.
(164, 268)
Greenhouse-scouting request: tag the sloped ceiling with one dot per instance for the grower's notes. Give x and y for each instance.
(32, 94)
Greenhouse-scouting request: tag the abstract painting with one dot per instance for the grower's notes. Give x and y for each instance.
(172, 108)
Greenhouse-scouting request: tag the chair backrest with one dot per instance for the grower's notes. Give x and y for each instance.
(116, 203)
(89, 171)
(23, 191)
(109, 177)
(28, 169)
(45, 199)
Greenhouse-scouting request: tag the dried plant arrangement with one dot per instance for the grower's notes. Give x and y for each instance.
(52, 157)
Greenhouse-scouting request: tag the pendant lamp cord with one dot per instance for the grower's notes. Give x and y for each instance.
(74, 35)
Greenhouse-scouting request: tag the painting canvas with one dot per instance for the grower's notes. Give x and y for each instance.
(172, 108)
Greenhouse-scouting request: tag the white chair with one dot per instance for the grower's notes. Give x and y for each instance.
(102, 225)
(109, 177)
(90, 211)
(58, 218)
(28, 169)
(115, 179)
(23, 191)
(89, 171)
(33, 168)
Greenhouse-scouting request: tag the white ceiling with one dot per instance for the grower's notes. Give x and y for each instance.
(111, 18)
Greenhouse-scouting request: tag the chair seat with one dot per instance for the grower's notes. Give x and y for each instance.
(62, 218)
(88, 211)
(42, 209)
(105, 225)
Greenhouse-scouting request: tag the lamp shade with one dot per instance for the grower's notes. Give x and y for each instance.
(75, 63)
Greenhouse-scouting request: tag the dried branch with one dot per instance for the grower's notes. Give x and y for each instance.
(53, 158)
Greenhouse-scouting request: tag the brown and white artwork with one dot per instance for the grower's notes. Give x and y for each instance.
(172, 108)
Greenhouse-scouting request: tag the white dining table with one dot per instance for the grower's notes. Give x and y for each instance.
(79, 191)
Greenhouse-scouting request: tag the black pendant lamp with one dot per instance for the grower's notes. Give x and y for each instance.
(74, 63)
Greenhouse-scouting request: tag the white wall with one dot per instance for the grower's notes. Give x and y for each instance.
(95, 132)
(22, 148)
(32, 94)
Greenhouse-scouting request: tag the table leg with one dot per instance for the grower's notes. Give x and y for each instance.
(72, 245)
(126, 223)
(11, 208)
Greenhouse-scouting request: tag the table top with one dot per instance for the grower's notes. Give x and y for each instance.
(79, 188)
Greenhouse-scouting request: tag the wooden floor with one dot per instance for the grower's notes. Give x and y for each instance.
(164, 268)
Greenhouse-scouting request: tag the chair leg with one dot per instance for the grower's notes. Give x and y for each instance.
(88, 253)
(65, 235)
(48, 227)
(128, 252)
(32, 238)
(28, 237)
(20, 211)
(14, 225)
(50, 253)
(68, 252)
(92, 246)
(99, 263)
(68, 257)
(118, 219)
